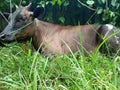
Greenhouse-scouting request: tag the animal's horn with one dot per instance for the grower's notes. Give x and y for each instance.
(28, 6)
(16, 7)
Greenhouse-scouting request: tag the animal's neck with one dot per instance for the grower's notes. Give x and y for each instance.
(45, 27)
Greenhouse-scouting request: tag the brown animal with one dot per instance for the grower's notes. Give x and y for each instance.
(56, 39)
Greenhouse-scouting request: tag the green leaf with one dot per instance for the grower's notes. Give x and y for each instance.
(112, 14)
(90, 2)
(53, 2)
(99, 10)
(59, 2)
(117, 6)
(113, 3)
(66, 3)
(62, 19)
(42, 3)
(103, 1)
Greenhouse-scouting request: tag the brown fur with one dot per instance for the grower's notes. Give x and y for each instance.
(56, 39)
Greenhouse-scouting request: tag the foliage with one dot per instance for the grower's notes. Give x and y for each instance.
(73, 11)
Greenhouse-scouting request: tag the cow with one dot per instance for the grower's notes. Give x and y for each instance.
(51, 39)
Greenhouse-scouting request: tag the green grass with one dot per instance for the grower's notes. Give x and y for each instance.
(23, 69)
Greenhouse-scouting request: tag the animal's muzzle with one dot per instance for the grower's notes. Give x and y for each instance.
(3, 36)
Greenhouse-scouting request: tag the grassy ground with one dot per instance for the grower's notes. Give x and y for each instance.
(22, 69)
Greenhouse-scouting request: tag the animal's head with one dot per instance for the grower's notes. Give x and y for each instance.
(21, 24)
(111, 36)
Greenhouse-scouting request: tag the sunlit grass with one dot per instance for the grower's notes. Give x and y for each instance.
(22, 69)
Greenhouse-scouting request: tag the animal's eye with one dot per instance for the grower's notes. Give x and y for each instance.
(20, 19)
(17, 20)
(23, 18)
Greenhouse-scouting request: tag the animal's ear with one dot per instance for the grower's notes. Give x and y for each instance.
(38, 12)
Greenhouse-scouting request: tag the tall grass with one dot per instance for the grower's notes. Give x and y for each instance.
(21, 69)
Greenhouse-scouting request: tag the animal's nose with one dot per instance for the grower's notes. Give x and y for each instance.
(3, 36)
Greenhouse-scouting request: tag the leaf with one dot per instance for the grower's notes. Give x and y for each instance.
(113, 3)
(42, 3)
(66, 3)
(112, 14)
(53, 2)
(62, 19)
(103, 1)
(59, 2)
(117, 6)
(99, 10)
(90, 2)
